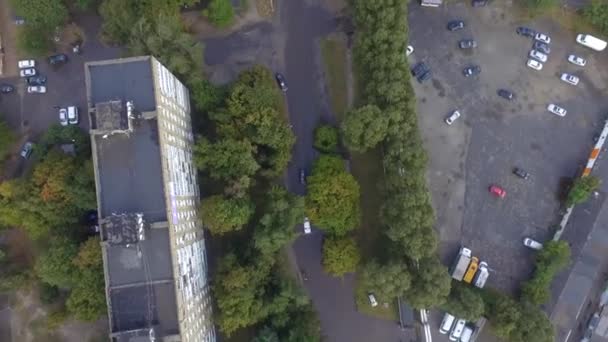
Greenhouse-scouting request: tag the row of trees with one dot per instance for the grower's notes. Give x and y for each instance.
(554, 256)
(596, 13)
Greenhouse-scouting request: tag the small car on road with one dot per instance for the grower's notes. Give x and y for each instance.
(27, 72)
(541, 57)
(453, 117)
(521, 173)
(307, 229)
(570, 79)
(302, 174)
(36, 89)
(526, 32)
(534, 64)
(409, 50)
(6, 88)
(281, 81)
(455, 25)
(541, 37)
(557, 110)
(58, 59)
(498, 191)
(36, 80)
(533, 244)
(542, 47)
(26, 150)
(26, 63)
(576, 60)
(506, 94)
(467, 44)
(471, 70)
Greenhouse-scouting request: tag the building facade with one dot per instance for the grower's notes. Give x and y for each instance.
(153, 244)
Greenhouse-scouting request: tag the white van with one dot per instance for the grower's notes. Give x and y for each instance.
(591, 42)
(457, 330)
(446, 323)
(466, 334)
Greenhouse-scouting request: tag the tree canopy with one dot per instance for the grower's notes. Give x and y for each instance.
(219, 12)
(596, 12)
(364, 128)
(223, 215)
(554, 256)
(326, 138)
(386, 281)
(582, 189)
(54, 266)
(340, 255)
(430, 285)
(464, 302)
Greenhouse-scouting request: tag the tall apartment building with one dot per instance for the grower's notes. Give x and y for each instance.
(154, 255)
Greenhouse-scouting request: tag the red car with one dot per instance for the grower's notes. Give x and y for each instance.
(498, 191)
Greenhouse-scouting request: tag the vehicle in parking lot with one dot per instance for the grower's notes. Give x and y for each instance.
(372, 299)
(63, 116)
(467, 44)
(534, 64)
(409, 50)
(479, 3)
(281, 81)
(521, 173)
(307, 229)
(526, 32)
(498, 191)
(6, 88)
(557, 110)
(302, 176)
(421, 71)
(455, 25)
(450, 119)
(467, 333)
(506, 94)
(27, 72)
(18, 20)
(26, 63)
(72, 113)
(26, 150)
(471, 70)
(446, 323)
(591, 42)
(542, 47)
(580, 61)
(58, 59)
(533, 244)
(457, 330)
(36, 80)
(571, 79)
(36, 89)
(541, 57)
(541, 37)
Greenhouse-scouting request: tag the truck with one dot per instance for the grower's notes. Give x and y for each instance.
(459, 268)
(591, 42)
(482, 275)
(473, 266)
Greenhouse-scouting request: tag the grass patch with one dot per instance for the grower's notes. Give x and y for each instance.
(334, 58)
(388, 311)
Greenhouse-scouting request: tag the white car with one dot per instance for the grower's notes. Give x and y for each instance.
(541, 37)
(538, 55)
(27, 72)
(534, 64)
(36, 90)
(457, 330)
(450, 119)
(307, 229)
(63, 116)
(26, 63)
(409, 50)
(533, 244)
(580, 61)
(571, 79)
(557, 110)
(372, 300)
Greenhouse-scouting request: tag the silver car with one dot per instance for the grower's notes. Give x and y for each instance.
(27, 72)
(36, 90)
(571, 79)
(557, 110)
(538, 55)
(453, 117)
(576, 60)
(530, 243)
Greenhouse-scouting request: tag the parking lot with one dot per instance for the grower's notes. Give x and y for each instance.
(494, 135)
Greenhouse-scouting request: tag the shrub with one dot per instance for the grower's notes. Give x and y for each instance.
(326, 138)
(220, 13)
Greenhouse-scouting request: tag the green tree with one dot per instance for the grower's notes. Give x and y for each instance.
(87, 300)
(326, 138)
(219, 12)
(582, 189)
(226, 159)
(533, 325)
(430, 284)
(54, 266)
(223, 215)
(340, 255)
(42, 14)
(333, 197)
(554, 256)
(364, 128)
(596, 13)
(464, 302)
(502, 311)
(388, 281)
(266, 334)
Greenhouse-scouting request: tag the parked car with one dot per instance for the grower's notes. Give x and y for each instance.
(472, 70)
(73, 115)
(302, 174)
(541, 37)
(534, 64)
(6, 88)
(422, 72)
(580, 61)
(455, 25)
(467, 44)
(479, 3)
(457, 330)
(498, 191)
(526, 32)
(63, 116)
(58, 59)
(453, 117)
(281, 81)
(307, 229)
(521, 173)
(26, 63)
(26, 150)
(571, 79)
(533, 244)
(557, 110)
(372, 299)
(27, 72)
(541, 57)
(409, 50)
(36, 90)
(36, 80)
(542, 47)
(506, 94)
(446, 323)
(18, 20)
